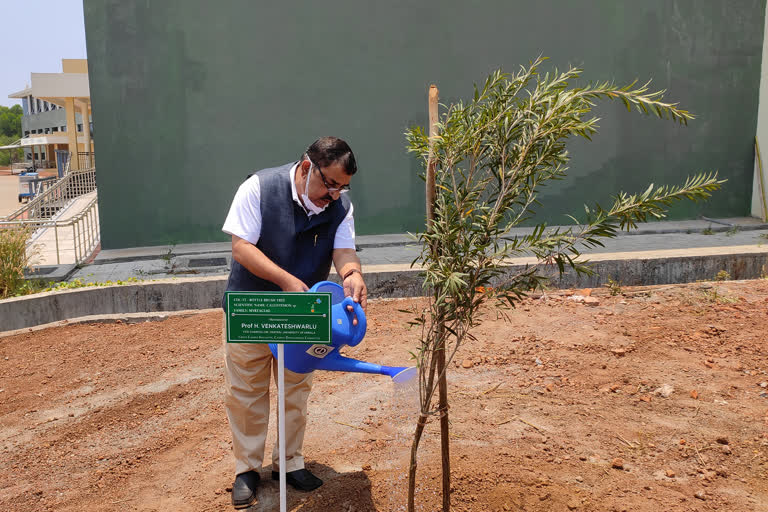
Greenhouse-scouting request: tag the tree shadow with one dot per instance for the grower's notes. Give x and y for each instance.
(345, 491)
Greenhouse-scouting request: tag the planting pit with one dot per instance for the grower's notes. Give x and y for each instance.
(560, 407)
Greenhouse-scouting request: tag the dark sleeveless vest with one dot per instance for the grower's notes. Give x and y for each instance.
(299, 244)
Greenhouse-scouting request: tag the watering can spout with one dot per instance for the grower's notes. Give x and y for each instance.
(336, 362)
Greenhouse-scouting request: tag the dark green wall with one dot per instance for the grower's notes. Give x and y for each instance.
(189, 96)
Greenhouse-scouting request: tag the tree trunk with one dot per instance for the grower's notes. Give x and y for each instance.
(417, 436)
(444, 433)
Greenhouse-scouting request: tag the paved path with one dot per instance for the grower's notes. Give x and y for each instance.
(46, 240)
(394, 253)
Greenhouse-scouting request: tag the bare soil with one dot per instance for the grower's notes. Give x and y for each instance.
(559, 407)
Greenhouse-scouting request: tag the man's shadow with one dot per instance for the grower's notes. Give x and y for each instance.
(340, 492)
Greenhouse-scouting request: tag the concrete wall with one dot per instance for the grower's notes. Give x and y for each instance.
(760, 182)
(189, 96)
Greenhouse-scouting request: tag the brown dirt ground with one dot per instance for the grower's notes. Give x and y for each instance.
(129, 417)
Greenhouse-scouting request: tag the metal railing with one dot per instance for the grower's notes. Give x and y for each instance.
(86, 159)
(44, 206)
(74, 239)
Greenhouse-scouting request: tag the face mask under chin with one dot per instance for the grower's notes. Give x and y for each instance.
(308, 204)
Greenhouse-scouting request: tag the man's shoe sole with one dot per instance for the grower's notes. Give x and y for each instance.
(242, 505)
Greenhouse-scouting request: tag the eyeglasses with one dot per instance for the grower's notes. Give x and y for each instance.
(343, 189)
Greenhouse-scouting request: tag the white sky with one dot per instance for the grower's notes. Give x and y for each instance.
(37, 34)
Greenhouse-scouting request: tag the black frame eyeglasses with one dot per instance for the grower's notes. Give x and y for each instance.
(343, 189)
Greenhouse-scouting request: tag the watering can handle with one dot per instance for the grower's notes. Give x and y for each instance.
(359, 329)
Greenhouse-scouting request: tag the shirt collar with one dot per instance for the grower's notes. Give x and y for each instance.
(295, 194)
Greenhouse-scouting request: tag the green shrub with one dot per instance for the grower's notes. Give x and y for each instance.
(13, 259)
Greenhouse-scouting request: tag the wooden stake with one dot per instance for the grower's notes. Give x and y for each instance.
(433, 99)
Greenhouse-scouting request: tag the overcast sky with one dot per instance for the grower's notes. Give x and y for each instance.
(37, 34)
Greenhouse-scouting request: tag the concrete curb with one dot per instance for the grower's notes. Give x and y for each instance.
(392, 281)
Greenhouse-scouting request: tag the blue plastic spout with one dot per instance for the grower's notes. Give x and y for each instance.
(335, 362)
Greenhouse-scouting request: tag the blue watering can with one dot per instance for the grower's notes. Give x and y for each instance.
(303, 358)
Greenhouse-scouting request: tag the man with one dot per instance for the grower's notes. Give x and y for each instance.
(287, 224)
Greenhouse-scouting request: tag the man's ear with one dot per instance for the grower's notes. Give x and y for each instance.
(305, 165)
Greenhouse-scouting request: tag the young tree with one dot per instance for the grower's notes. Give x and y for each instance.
(490, 156)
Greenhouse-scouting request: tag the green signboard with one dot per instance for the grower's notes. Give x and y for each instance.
(283, 317)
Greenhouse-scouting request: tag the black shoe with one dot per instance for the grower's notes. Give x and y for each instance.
(244, 489)
(300, 479)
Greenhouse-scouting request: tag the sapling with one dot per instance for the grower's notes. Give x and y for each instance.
(490, 157)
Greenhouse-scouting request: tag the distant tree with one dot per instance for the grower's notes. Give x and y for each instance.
(10, 121)
(7, 157)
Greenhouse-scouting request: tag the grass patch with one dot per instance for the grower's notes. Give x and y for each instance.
(13, 259)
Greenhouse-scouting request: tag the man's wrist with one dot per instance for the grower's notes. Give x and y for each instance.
(350, 272)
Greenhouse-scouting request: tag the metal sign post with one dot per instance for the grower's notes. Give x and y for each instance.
(279, 318)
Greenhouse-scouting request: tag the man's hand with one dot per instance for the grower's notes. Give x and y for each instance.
(354, 286)
(348, 264)
(294, 284)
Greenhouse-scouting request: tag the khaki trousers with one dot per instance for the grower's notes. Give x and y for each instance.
(247, 368)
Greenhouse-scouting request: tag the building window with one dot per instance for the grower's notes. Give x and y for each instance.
(64, 128)
(42, 156)
(26, 133)
(47, 130)
(39, 105)
(79, 127)
(54, 129)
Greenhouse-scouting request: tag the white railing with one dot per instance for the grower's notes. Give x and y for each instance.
(45, 205)
(74, 240)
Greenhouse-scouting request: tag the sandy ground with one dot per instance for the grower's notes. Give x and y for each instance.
(9, 194)
(9, 190)
(560, 407)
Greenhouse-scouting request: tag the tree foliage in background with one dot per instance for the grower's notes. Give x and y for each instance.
(491, 156)
(10, 132)
(7, 155)
(10, 121)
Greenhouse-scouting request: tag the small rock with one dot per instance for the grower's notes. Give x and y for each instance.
(700, 495)
(763, 384)
(573, 505)
(550, 386)
(579, 478)
(664, 391)
(367, 467)
(670, 473)
(219, 491)
(538, 362)
(618, 352)
(726, 449)
(467, 363)
(591, 301)
(721, 471)
(617, 463)
(229, 489)
(695, 394)
(722, 440)
(372, 408)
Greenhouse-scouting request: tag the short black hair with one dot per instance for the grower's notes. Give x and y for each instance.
(327, 151)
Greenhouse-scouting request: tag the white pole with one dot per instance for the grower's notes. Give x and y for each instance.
(281, 420)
